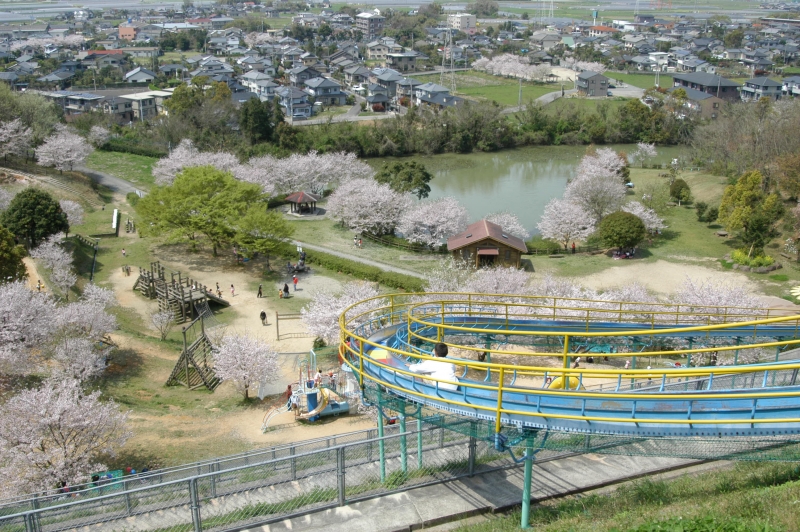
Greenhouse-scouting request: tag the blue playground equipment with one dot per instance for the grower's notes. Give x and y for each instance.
(719, 376)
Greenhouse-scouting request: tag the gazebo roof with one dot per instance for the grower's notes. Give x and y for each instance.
(302, 197)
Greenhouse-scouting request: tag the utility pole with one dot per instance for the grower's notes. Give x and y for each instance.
(519, 100)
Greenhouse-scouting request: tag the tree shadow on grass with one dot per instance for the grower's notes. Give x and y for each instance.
(123, 364)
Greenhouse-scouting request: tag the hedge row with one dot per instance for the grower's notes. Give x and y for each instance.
(121, 146)
(356, 269)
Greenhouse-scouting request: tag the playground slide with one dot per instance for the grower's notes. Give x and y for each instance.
(320, 407)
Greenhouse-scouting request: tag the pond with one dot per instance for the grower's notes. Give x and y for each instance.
(520, 181)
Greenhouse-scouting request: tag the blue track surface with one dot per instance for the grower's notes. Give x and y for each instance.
(756, 406)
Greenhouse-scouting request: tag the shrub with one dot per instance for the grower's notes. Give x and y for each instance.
(701, 207)
(622, 230)
(356, 269)
(377, 108)
(132, 198)
(121, 146)
(712, 214)
(680, 190)
(739, 256)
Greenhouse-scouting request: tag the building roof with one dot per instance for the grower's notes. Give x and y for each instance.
(692, 94)
(763, 81)
(316, 83)
(705, 79)
(587, 74)
(603, 28)
(302, 197)
(481, 230)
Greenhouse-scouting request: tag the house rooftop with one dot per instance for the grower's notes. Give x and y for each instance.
(481, 230)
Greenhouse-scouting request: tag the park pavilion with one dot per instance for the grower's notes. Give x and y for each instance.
(487, 244)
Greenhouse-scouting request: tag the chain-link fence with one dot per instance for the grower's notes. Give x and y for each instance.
(296, 480)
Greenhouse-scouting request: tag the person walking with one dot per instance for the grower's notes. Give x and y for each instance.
(573, 248)
(359, 243)
(232, 291)
(263, 317)
(259, 292)
(123, 253)
(294, 281)
(39, 285)
(285, 291)
(355, 241)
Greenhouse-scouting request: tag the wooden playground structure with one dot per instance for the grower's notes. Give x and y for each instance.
(179, 295)
(195, 367)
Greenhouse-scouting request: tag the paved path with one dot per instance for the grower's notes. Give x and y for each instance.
(358, 258)
(487, 493)
(113, 183)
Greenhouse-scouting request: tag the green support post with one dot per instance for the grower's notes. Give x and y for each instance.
(419, 442)
(526, 487)
(381, 445)
(403, 444)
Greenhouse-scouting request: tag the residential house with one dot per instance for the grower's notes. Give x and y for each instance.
(74, 103)
(486, 244)
(791, 86)
(402, 62)
(249, 79)
(265, 89)
(370, 25)
(145, 105)
(139, 75)
(58, 79)
(326, 91)
(712, 84)
(128, 32)
(377, 50)
(592, 83)
(170, 70)
(294, 101)
(9, 78)
(119, 108)
(761, 87)
(406, 88)
(545, 40)
(601, 31)
(356, 75)
(299, 75)
(426, 91)
(388, 79)
(706, 105)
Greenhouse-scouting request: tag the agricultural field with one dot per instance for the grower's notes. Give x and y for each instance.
(482, 86)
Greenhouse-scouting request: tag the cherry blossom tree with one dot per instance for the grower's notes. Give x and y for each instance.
(311, 172)
(185, 155)
(79, 358)
(103, 297)
(163, 323)
(597, 188)
(63, 150)
(255, 39)
(56, 434)
(564, 222)
(432, 222)
(15, 138)
(510, 65)
(70, 41)
(707, 299)
(449, 275)
(88, 319)
(644, 151)
(56, 259)
(652, 222)
(510, 224)
(366, 206)
(98, 136)
(27, 320)
(321, 315)
(73, 210)
(245, 360)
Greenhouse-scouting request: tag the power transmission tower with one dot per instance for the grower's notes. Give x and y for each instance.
(450, 80)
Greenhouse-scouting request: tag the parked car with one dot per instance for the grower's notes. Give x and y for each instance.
(608, 93)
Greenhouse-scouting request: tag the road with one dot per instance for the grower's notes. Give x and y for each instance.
(113, 183)
(356, 257)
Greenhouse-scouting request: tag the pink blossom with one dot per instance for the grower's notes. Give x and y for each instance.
(651, 220)
(433, 222)
(246, 361)
(73, 210)
(366, 206)
(564, 222)
(15, 138)
(321, 315)
(63, 150)
(510, 223)
(56, 433)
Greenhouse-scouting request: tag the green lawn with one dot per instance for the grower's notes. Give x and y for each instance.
(330, 112)
(137, 169)
(746, 497)
(505, 91)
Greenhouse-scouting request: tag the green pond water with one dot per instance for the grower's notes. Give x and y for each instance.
(521, 181)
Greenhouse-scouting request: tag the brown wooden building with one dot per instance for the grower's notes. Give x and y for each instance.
(487, 244)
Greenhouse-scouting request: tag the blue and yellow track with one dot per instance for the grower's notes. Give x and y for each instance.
(524, 334)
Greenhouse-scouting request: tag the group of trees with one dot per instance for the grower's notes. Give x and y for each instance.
(55, 431)
(595, 199)
(210, 202)
(510, 65)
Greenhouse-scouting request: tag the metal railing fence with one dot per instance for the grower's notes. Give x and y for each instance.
(274, 489)
(91, 490)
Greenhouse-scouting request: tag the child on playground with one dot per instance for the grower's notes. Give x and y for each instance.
(439, 370)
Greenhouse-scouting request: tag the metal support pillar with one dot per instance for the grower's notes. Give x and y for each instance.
(194, 503)
(403, 444)
(381, 443)
(419, 443)
(340, 474)
(473, 447)
(526, 487)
